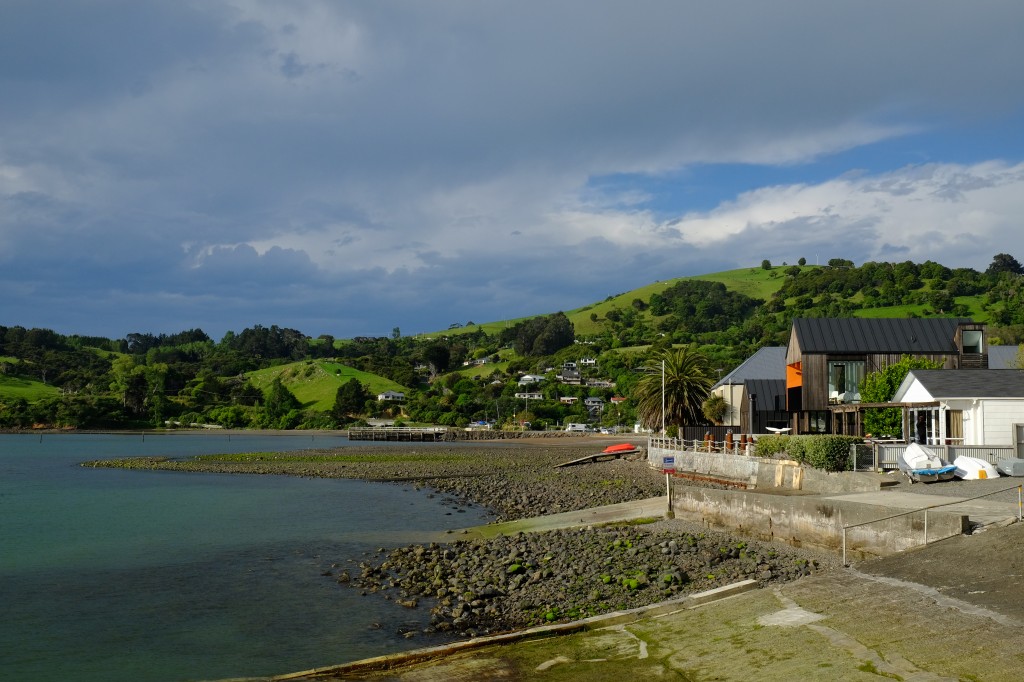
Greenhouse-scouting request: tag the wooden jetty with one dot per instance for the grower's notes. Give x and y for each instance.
(428, 434)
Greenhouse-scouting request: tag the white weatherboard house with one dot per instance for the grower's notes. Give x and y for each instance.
(969, 406)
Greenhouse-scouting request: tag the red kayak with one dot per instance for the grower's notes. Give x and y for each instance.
(620, 448)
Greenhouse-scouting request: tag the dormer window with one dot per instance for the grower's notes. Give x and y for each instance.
(973, 340)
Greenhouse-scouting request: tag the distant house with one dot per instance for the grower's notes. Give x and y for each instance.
(570, 376)
(617, 399)
(588, 362)
(527, 379)
(973, 407)
(568, 400)
(600, 383)
(530, 396)
(593, 404)
(391, 396)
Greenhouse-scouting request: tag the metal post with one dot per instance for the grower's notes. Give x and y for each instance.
(926, 526)
(844, 548)
(663, 396)
(1020, 513)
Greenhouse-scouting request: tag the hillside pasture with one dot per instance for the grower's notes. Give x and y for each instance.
(315, 383)
(27, 389)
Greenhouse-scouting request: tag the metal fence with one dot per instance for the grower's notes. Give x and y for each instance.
(1020, 513)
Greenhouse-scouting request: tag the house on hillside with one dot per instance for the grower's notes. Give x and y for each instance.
(973, 407)
(527, 379)
(391, 396)
(828, 358)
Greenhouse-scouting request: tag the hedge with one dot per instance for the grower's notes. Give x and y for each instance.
(829, 453)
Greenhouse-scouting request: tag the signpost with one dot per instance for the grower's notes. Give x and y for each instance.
(668, 465)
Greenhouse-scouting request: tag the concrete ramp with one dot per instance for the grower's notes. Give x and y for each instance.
(980, 511)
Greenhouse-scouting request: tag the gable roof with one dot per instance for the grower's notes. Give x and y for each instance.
(945, 384)
(877, 335)
(768, 362)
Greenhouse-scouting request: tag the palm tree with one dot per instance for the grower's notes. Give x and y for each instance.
(687, 383)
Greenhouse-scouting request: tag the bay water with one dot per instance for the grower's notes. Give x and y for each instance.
(111, 574)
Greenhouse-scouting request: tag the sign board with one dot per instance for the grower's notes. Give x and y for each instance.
(668, 463)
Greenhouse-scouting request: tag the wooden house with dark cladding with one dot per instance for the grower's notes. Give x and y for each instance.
(828, 358)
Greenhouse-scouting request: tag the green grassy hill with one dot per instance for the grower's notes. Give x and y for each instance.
(29, 389)
(755, 282)
(315, 382)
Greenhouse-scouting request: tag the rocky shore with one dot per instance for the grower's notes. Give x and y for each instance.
(472, 587)
(485, 586)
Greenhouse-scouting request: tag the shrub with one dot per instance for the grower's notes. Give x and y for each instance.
(829, 453)
(770, 446)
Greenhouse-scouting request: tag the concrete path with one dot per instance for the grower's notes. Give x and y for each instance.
(843, 625)
(652, 507)
(980, 511)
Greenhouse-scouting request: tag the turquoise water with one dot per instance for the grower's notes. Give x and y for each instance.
(109, 574)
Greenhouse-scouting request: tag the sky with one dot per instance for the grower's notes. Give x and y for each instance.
(346, 168)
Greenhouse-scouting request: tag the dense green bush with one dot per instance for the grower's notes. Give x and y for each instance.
(829, 453)
(770, 446)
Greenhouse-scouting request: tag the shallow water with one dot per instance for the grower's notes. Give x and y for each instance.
(113, 574)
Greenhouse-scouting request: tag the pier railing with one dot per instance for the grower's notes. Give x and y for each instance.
(398, 433)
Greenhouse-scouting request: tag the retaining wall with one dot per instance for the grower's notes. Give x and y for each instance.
(763, 473)
(814, 522)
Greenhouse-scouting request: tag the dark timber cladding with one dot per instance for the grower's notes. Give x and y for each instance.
(817, 342)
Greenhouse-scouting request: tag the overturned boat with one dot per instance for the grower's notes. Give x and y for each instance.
(974, 468)
(923, 466)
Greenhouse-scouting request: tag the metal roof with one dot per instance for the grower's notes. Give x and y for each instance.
(771, 393)
(1002, 357)
(876, 335)
(768, 362)
(945, 384)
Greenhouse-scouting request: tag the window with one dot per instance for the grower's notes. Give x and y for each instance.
(973, 342)
(844, 379)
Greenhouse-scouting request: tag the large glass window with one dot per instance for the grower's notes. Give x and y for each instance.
(844, 379)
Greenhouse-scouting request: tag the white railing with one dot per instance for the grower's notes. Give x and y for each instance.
(887, 454)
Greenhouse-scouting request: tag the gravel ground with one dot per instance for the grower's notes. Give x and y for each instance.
(1002, 489)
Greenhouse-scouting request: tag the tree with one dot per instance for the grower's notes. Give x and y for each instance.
(350, 399)
(714, 408)
(1004, 262)
(766, 264)
(682, 388)
(880, 387)
(802, 262)
(280, 401)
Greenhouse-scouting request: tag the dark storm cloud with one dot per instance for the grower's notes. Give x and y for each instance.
(342, 166)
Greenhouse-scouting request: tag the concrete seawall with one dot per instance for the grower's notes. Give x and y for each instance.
(808, 521)
(798, 520)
